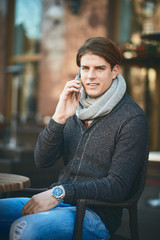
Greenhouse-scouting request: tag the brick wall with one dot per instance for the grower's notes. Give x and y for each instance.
(62, 34)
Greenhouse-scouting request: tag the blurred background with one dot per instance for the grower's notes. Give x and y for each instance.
(39, 40)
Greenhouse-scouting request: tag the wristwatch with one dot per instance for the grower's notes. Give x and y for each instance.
(58, 192)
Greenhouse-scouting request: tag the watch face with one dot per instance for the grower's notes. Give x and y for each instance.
(57, 192)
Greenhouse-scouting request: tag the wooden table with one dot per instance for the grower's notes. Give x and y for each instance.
(12, 182)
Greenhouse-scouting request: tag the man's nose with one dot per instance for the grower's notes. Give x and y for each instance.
(91, 74)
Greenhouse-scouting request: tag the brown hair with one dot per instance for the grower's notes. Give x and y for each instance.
(102, 47)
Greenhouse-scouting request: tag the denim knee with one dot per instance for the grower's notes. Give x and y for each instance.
(23, 230)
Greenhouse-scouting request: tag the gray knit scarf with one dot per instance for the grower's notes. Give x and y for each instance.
(89, 108)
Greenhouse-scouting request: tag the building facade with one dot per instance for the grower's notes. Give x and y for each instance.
(38, 44)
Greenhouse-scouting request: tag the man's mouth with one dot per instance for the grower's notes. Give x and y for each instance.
(92, 84)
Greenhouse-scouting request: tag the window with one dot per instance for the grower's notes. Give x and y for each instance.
(25, 55)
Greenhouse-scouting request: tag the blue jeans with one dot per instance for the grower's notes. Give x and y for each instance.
(57, 223)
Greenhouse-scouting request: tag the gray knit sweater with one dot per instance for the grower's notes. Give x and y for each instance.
(101, 161)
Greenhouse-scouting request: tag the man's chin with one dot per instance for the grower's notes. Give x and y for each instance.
(94, 96)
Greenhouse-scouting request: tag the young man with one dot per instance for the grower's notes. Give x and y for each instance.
(102, 137)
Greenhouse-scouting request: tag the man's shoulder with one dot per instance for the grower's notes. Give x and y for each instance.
(126, 111)
(127, 106)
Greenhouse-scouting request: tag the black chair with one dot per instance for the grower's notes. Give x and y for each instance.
(130, 205)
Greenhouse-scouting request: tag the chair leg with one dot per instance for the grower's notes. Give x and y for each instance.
(80, 212)
(133, 222)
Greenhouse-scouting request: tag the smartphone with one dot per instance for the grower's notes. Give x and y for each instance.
(79, 75)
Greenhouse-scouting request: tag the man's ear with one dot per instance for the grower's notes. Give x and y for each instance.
(115, 71)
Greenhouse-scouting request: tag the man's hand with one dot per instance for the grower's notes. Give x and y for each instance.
(40, 202)
(67, 104)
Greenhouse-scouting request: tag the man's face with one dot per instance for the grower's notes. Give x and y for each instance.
(96, 74)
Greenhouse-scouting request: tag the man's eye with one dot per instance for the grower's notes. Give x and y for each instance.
(100, 69)
(84, 68)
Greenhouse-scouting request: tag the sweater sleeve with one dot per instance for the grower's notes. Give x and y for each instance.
(48, 148)
(128, 157)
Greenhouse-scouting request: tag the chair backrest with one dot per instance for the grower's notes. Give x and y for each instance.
(140, 180)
